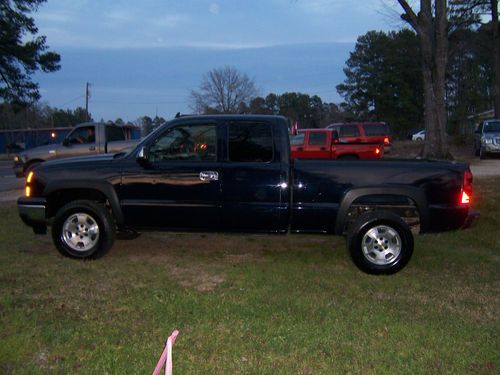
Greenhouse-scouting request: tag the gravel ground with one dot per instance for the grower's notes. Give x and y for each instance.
(486, 168)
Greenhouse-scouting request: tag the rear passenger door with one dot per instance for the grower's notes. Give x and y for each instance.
(349, 134)
(252, 178)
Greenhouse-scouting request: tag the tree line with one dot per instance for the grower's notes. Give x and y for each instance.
(435, 74)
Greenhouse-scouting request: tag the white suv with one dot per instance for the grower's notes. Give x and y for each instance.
(487, 138)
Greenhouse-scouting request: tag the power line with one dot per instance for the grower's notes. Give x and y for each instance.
(70, 101)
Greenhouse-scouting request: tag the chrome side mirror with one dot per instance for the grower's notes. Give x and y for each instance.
(143, 157)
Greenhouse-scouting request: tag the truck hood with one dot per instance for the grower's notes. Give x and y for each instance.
(46, 152)
(85, 167)
(87, 160)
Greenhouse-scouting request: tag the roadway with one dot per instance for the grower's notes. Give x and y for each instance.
(10, 186)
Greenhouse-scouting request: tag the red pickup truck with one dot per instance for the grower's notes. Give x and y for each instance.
(325, 144)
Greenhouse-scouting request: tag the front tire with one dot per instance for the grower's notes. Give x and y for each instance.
(380, 242)
(482, 154)
(83, 229)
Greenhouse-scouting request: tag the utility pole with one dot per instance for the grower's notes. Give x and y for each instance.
(87, 94)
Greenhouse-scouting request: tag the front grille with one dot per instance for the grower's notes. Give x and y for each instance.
(496, 141)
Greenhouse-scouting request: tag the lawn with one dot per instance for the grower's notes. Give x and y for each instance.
(249, 304)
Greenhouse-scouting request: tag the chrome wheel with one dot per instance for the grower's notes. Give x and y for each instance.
(381, 245)
(80, 232)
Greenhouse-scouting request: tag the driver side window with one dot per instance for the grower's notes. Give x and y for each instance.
(186, 143)
(83, 135)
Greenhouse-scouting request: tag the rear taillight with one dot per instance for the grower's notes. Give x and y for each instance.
(377, 151)
(387, 141)
(466, 194)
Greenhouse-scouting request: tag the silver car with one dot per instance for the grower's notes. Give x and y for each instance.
(487, 138)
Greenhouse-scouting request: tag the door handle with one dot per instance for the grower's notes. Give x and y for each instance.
(323, 148)
(92, 148)
(209, 176)
(300, 149)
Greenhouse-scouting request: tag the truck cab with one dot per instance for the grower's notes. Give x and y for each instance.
(85, 139)
(326, 144)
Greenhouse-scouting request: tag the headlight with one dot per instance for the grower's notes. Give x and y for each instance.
(487, 141)
(16, 158)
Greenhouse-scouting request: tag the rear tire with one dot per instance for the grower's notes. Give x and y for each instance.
(380, 242)
(83, 229)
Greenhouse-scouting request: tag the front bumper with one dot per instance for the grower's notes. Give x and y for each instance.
(471, 219)
(492, 148)
(33, 213)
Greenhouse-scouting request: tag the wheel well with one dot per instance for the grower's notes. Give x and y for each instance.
(59, 198)
(403, 206)
(31, 162)
(349, 156)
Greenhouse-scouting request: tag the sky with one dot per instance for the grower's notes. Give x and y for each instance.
(144, 57)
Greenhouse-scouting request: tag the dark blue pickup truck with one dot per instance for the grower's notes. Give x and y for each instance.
(234, 173)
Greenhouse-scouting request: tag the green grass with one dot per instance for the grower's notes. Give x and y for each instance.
(252, 304)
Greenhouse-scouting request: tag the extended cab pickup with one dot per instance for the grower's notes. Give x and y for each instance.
(325, 144)
(234, 173)
(84, 139)
(364, 132)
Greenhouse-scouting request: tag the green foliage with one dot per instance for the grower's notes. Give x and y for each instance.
(68, 117)
(20, 56)
(470, 76)
(383, 80)
(308, 111)
(39, 116)
(146, 125)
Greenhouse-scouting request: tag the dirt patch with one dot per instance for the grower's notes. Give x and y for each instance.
(197, 278)
(413, 150)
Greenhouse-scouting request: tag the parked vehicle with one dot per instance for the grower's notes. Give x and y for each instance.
(84, 139)
(325, 144)
(418, 136)
(234, 173)
(364, 132)
(487, 139)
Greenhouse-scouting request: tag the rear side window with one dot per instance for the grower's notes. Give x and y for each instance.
(349, 131)
(317, 138)
(297, 139)
(250, 142)
(376, 129)
(114, 133)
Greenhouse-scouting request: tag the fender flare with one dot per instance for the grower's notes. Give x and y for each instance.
(414, 193)
(103, 187)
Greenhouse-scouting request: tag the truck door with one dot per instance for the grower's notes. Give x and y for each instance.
(252, 178)
(319, 144)
(180, 188)
(81, 141)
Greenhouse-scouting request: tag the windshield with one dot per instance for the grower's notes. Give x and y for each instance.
(492, 127)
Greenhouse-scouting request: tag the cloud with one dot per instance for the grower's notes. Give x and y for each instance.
(214, 8)
(170, 20)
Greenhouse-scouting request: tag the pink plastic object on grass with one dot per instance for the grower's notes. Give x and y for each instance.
(166, 356)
